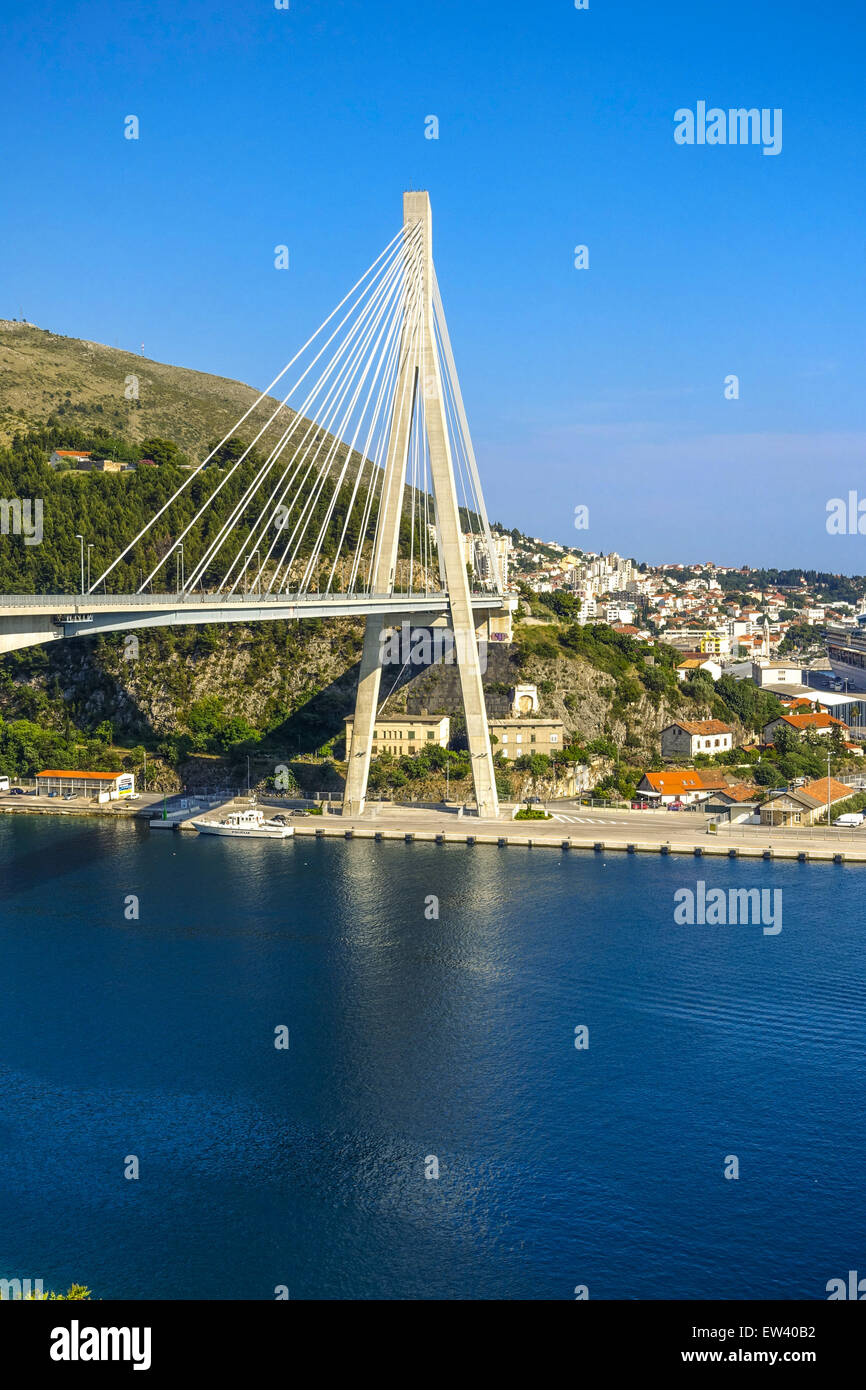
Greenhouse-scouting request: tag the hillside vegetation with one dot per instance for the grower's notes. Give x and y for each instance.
(44, 374)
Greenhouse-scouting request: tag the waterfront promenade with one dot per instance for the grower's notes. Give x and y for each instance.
(572, 826)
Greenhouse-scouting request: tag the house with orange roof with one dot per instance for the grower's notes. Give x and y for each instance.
(680, 784)
(820, 722)
(737, 804)
(804, 805)
(686, 737)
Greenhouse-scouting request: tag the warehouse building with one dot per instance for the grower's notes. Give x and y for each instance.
(104, 786)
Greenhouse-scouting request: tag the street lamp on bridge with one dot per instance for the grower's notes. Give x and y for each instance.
(79, 537)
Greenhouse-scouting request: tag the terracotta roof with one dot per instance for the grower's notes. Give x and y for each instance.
(821, 720)
(740, 792)
(675, 782)
(97, 776)
(73, 453)
(814, 794)
(818, 790)
(700, 726)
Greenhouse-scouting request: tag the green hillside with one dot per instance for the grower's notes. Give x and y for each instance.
(45, 375)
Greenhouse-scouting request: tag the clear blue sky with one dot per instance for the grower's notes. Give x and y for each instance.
(601, 387)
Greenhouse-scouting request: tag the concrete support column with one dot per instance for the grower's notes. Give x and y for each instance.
(416, 213)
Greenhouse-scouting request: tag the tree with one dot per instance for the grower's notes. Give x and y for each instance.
(163, 451)
(785, 739)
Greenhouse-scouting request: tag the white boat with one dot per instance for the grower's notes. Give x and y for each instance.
(246, 825)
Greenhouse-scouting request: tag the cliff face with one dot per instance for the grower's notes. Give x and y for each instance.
(154, 687)
(296, 683)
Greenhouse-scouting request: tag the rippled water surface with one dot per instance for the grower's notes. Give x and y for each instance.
(412, 1037)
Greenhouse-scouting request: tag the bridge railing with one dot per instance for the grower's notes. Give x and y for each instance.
(61, 602)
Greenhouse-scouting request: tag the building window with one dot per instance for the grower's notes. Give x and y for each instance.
(532, 738)
(411, 738)
(554, 738)
(430, 734)
(518, 738)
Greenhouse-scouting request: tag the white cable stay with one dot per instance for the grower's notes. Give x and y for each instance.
(299, 418)
(316, 495)
(302, 416)
(262, 396)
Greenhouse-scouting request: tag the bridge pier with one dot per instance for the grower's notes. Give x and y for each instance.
(419, 345)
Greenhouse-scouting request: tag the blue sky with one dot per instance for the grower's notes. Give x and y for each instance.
(602, 387)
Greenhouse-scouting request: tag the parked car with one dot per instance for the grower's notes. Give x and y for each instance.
(641, 805)
(17, 791)
(533, 801)
(676, 806)
(52, 793)
(68, 796)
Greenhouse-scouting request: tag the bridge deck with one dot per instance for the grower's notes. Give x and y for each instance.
(81, 605)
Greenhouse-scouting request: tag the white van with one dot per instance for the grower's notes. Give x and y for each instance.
(852, 818)
(4, 784)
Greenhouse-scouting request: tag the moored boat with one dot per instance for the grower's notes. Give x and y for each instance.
(246, 825)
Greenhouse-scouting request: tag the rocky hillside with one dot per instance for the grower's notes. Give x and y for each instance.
(43, 375)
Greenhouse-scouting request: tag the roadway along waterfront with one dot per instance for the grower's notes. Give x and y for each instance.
(571, 825)
(656, 832)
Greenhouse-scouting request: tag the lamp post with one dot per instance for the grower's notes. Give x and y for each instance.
(828, 791)
(179, 578)
(79, 537)
(89, 548)
(257, 585)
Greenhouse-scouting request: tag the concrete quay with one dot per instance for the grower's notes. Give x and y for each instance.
(577, 828)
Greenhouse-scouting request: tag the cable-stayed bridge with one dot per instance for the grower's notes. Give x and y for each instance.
(359, 495)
